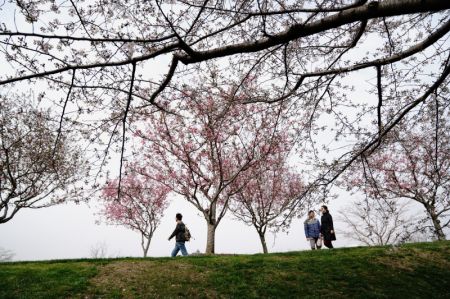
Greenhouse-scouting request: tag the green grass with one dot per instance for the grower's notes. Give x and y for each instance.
(419, 270)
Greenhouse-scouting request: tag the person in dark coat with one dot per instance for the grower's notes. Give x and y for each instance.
(327, 228)
(178, 233)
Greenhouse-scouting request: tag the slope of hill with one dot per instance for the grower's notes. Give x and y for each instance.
(420, 270)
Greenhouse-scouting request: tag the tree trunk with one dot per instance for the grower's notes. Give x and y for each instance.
(262, 237)
(210, 242)
(438, 231)
(210, 217)
(145, 244)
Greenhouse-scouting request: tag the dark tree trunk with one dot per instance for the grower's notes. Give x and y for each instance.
(262, 237)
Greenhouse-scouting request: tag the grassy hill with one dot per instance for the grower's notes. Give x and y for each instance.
(419, 270)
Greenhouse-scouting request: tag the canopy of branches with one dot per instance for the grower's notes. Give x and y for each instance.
(107, 65)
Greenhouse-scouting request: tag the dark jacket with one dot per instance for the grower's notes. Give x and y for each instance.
(178, 232)
(327, 226)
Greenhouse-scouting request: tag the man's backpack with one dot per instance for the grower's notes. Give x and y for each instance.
(187, 234)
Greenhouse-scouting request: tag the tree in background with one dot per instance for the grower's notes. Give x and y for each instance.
(264, 194)
(99, 60)
(140, 206)
(214, 139)
(413, 164)
(98, 251)
(40, 165)
(378, 221)
(6, 255)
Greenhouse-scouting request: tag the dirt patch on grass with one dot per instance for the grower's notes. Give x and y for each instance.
(409, 259)
(119, 273)
(402, 264)
(149, 279)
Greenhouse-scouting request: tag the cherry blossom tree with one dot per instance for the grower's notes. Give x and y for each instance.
(265, 194)
(414, 164)
(40, 165)
(140, 206)
(379, 221)
(200, 153)
(114, 59)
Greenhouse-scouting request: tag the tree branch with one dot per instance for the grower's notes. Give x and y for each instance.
(124, 127)
(63, 112)
(380, 99)
(169, 76)
(361, 13)
(156, 53)
(88, 39)
(430, 40)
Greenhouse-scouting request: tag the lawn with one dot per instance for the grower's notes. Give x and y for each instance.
(420, 270)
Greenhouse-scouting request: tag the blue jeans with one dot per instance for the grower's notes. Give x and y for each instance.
(179, 246)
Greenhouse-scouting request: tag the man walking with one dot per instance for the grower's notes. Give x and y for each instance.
(178, 233)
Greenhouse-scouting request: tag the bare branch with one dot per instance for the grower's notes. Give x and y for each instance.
(380, 99)
(63, 112)
(130, 96)
(169, 76)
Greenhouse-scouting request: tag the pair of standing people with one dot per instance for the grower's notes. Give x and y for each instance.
(316, 231)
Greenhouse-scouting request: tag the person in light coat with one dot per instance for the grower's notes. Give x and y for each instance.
(312, 231)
